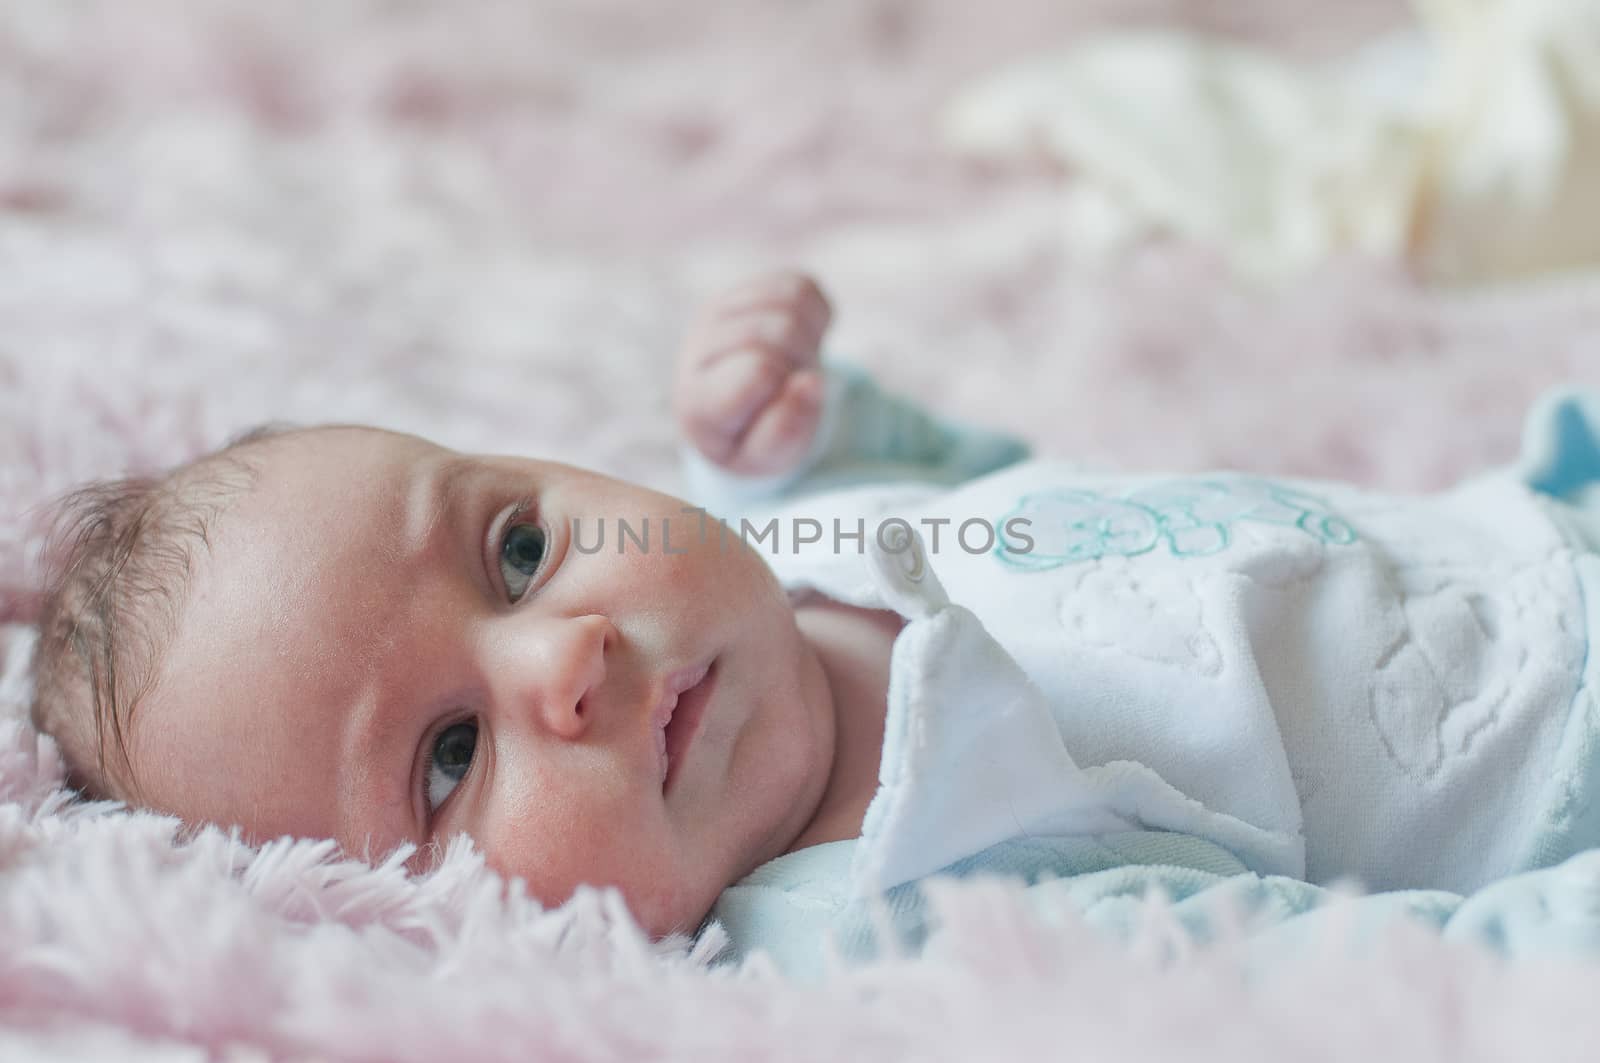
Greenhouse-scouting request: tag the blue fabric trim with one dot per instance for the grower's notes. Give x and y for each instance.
(1561, 446)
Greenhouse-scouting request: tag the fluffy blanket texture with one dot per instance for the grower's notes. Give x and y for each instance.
(487, 223)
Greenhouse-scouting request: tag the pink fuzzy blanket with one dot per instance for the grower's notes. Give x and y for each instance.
(487, 223)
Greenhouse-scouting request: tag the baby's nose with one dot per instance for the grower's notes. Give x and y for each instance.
(566, 664)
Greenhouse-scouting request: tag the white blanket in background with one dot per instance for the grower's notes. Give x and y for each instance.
(1472, 149)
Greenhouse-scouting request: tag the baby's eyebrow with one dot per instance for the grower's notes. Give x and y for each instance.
(368, 765)
(432, 494)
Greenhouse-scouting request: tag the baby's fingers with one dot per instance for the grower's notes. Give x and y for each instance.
(781, 431)
(793, 338)
(733, 394)
(726, 397)
(790, 295)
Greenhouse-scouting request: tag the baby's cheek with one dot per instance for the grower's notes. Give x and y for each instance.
(556, 859)
(705, 586)
(661, 898)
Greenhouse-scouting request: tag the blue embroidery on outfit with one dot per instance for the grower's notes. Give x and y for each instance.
(1195, 518)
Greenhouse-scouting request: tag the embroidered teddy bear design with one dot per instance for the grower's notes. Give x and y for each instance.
(1193, 518)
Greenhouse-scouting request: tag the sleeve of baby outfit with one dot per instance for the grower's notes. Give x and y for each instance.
(866, 436)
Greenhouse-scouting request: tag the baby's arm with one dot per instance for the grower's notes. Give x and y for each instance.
(763, 415)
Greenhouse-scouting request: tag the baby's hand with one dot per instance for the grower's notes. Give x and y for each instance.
(748, 393)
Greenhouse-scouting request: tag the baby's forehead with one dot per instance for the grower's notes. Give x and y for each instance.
(330, 482)
(323, 512)
(340, 445)
(316, 471)
(302, 581)
(296, 568)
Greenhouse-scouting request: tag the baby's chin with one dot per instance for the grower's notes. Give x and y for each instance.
(663, 913)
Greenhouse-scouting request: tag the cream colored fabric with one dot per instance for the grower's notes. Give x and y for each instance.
(1470, 146)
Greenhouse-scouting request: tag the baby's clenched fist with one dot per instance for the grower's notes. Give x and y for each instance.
(748, 390)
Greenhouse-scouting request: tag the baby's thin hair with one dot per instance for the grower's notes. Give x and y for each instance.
(118, 560)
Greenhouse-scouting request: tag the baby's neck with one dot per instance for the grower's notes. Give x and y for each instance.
(853, 646)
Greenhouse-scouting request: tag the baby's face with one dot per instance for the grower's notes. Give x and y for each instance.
(387, 641)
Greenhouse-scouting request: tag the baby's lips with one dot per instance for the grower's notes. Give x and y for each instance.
(671, 687)
(676, 683)
(661, 750)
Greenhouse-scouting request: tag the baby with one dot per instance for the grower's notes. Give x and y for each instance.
(351, 633)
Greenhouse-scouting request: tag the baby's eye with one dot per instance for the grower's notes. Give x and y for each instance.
(521, 553)
(448, 761)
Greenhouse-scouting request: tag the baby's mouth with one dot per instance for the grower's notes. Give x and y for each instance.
(679, 716)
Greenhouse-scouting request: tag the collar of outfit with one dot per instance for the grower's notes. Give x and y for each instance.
(972, 754)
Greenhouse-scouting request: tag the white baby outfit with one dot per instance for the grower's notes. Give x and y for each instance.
(1325, 682)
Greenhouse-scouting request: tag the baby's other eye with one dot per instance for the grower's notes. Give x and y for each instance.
(448, 761)
(521, 554)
